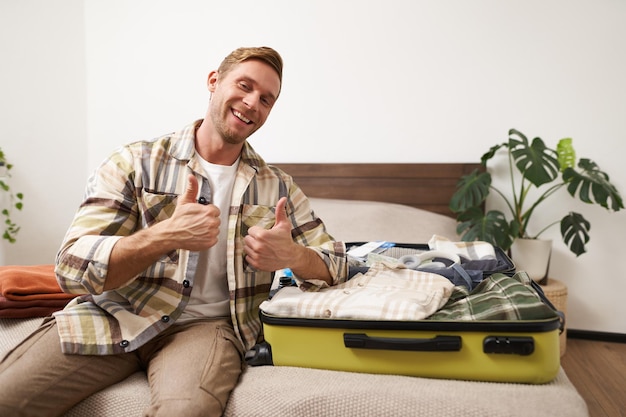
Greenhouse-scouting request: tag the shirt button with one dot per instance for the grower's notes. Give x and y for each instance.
(124, 343)
(186, 283)
(165, 319)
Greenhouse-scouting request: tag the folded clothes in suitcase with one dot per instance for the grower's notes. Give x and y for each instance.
(463, 263)
(503, 330)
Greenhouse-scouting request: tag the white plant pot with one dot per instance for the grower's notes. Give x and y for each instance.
(532, 256)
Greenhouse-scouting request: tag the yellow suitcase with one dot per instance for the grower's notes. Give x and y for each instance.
(523, 351)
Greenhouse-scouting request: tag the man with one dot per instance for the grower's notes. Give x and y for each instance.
(173, 250)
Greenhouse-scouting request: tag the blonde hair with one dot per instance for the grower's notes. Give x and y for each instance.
(261, 53)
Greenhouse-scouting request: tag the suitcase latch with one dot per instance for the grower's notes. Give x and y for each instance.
(509, 345)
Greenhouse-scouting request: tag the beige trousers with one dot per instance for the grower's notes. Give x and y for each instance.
(191, 368)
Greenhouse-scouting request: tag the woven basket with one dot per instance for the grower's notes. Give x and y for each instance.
(556, 292)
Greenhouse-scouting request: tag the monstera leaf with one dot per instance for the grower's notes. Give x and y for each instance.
(566, 153)
(592, 185)
(491, 227)
(536, 162)
(472, 190)
(575, 232)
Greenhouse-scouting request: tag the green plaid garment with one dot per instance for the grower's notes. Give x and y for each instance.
(498, 297)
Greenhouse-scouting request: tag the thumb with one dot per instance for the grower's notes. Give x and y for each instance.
(191, 192)
(281, 213)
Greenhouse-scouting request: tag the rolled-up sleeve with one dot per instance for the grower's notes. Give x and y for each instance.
(107, 213)
(312, 233)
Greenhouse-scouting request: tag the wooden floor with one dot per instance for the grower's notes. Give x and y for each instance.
(598, 371)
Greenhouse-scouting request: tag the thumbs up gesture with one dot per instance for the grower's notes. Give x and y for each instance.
(194, 226)
(273, 249)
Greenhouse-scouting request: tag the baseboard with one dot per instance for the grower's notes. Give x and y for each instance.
(599, 336)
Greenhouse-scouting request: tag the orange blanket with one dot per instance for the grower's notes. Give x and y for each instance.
(29, 308)
(35, 282)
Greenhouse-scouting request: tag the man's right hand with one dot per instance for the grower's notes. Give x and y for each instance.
(193, 226)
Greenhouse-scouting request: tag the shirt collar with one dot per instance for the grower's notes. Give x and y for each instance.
(183, 147)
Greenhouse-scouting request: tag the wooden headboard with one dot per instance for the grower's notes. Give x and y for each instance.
(426, 186)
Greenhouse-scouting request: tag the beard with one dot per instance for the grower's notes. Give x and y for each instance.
(220, 114)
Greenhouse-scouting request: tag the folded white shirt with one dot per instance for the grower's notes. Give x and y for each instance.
(382, 293)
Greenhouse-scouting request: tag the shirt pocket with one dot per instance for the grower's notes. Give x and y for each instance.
(155, 207)
(255, 215)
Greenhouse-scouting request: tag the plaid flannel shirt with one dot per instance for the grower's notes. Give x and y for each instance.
(137, 187)
(498, 297)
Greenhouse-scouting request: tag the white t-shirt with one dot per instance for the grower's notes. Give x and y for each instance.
(210, 296)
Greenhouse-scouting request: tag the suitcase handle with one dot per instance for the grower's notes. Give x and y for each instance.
(435, 344)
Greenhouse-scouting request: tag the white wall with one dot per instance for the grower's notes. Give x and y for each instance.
(43, 119)
(365, 81)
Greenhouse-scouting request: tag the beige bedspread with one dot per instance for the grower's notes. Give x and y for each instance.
(269, 391)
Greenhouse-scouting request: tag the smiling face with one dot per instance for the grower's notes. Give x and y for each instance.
(241, 99)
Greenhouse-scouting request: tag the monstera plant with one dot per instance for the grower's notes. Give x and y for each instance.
(544, 171)
(9, 200)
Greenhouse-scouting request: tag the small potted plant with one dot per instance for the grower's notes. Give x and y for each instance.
(14, 200)
(531, 165)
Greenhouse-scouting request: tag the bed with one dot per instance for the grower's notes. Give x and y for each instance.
(358, 202)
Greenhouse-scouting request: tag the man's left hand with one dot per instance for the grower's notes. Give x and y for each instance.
(271, 249)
